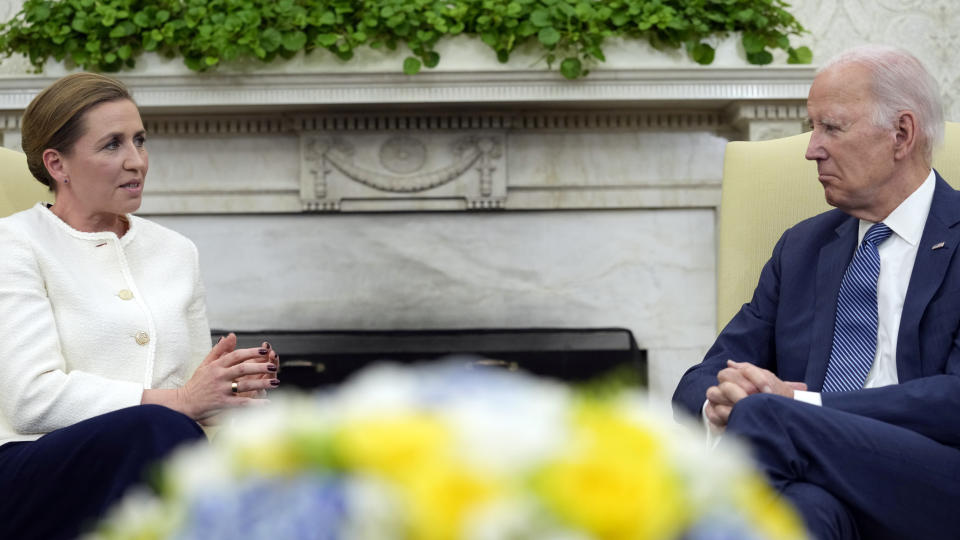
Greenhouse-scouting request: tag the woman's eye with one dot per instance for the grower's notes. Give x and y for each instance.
(139, 141)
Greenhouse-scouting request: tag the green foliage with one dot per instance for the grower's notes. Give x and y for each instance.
(108, 35)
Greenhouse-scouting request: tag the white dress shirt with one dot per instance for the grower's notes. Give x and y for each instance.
(897, 255)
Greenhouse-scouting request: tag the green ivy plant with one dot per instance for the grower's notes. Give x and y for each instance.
(108, 35)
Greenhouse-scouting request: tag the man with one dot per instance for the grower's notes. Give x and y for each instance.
(843, 371)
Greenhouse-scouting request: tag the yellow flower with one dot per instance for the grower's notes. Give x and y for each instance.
(441, 497)
(416, 453)
(394, 447)
(613, 482)
(774, 518)
(268, 457)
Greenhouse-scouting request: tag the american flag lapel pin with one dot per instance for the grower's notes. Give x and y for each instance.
(938, 245)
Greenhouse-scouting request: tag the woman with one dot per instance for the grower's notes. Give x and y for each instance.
(105, 358)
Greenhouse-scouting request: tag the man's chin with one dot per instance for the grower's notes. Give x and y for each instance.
(832, 198)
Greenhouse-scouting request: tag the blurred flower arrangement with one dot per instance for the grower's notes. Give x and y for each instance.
(443, 452)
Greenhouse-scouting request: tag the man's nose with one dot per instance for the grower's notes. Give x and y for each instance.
(815, 150)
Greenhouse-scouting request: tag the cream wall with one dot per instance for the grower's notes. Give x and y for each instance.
(927, 28)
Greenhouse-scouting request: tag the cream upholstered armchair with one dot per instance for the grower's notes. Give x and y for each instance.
(767, 187)
(19, 190)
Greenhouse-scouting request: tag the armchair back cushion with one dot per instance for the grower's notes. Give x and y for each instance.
(768, 186)
(19, 190)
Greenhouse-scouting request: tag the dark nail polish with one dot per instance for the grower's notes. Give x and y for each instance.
(261, 351)
(267, 346)
(274, 382)
(271, 367)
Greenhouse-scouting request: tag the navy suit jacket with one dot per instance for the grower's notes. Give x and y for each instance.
(787, 327)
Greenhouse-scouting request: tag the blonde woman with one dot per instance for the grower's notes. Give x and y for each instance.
(105, 357)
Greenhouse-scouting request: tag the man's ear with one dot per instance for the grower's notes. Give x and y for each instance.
(56, 168)
(905, 132)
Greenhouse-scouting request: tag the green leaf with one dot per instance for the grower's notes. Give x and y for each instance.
(79, 57)
(761, 58)
(526, 28)
(270, 39)
(328, 18)
(584, 10)
(36, 11)
(431, 59)
(294, 41)
(490, 38)
(124, 29)
(326, 40)
(125, 52)
(194, 63)
(549, 36)
(571, 68)
(79, 24)
(141, 19)
(800, 55)
(411, 65)
(702, 54)
(540, 18)
(753, 43)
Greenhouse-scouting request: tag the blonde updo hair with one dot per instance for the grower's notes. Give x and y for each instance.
(54, 119)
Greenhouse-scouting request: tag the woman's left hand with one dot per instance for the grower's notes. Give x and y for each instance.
(271, 357)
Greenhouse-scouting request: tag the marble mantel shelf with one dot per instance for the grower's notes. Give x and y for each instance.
(316, 136)
(701, 88)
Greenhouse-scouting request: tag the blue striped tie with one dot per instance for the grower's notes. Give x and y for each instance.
(855, 330)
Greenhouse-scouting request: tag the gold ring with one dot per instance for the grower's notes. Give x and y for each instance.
(235, 387)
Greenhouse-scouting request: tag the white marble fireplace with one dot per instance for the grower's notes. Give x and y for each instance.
(325, 196)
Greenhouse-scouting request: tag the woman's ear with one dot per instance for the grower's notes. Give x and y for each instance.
(56, 167)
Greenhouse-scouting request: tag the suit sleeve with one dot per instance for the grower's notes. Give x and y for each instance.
(748, 337)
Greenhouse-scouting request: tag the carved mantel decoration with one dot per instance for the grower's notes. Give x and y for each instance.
(464, 171)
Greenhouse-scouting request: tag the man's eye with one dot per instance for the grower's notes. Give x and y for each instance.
(112, 145)
(140, 141)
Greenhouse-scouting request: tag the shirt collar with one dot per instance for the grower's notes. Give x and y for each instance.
(908, 219)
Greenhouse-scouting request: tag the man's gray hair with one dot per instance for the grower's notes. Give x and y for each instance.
(900, 83)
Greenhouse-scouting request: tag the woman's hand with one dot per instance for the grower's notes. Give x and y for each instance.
(274, 358)
(210, 389)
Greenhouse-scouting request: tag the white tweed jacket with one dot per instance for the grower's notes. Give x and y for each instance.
(89, 320)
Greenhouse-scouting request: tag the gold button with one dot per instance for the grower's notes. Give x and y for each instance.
(125, 294)
(142, 338)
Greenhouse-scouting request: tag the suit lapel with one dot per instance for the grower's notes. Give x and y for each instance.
(831, 264)
(928, 273)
